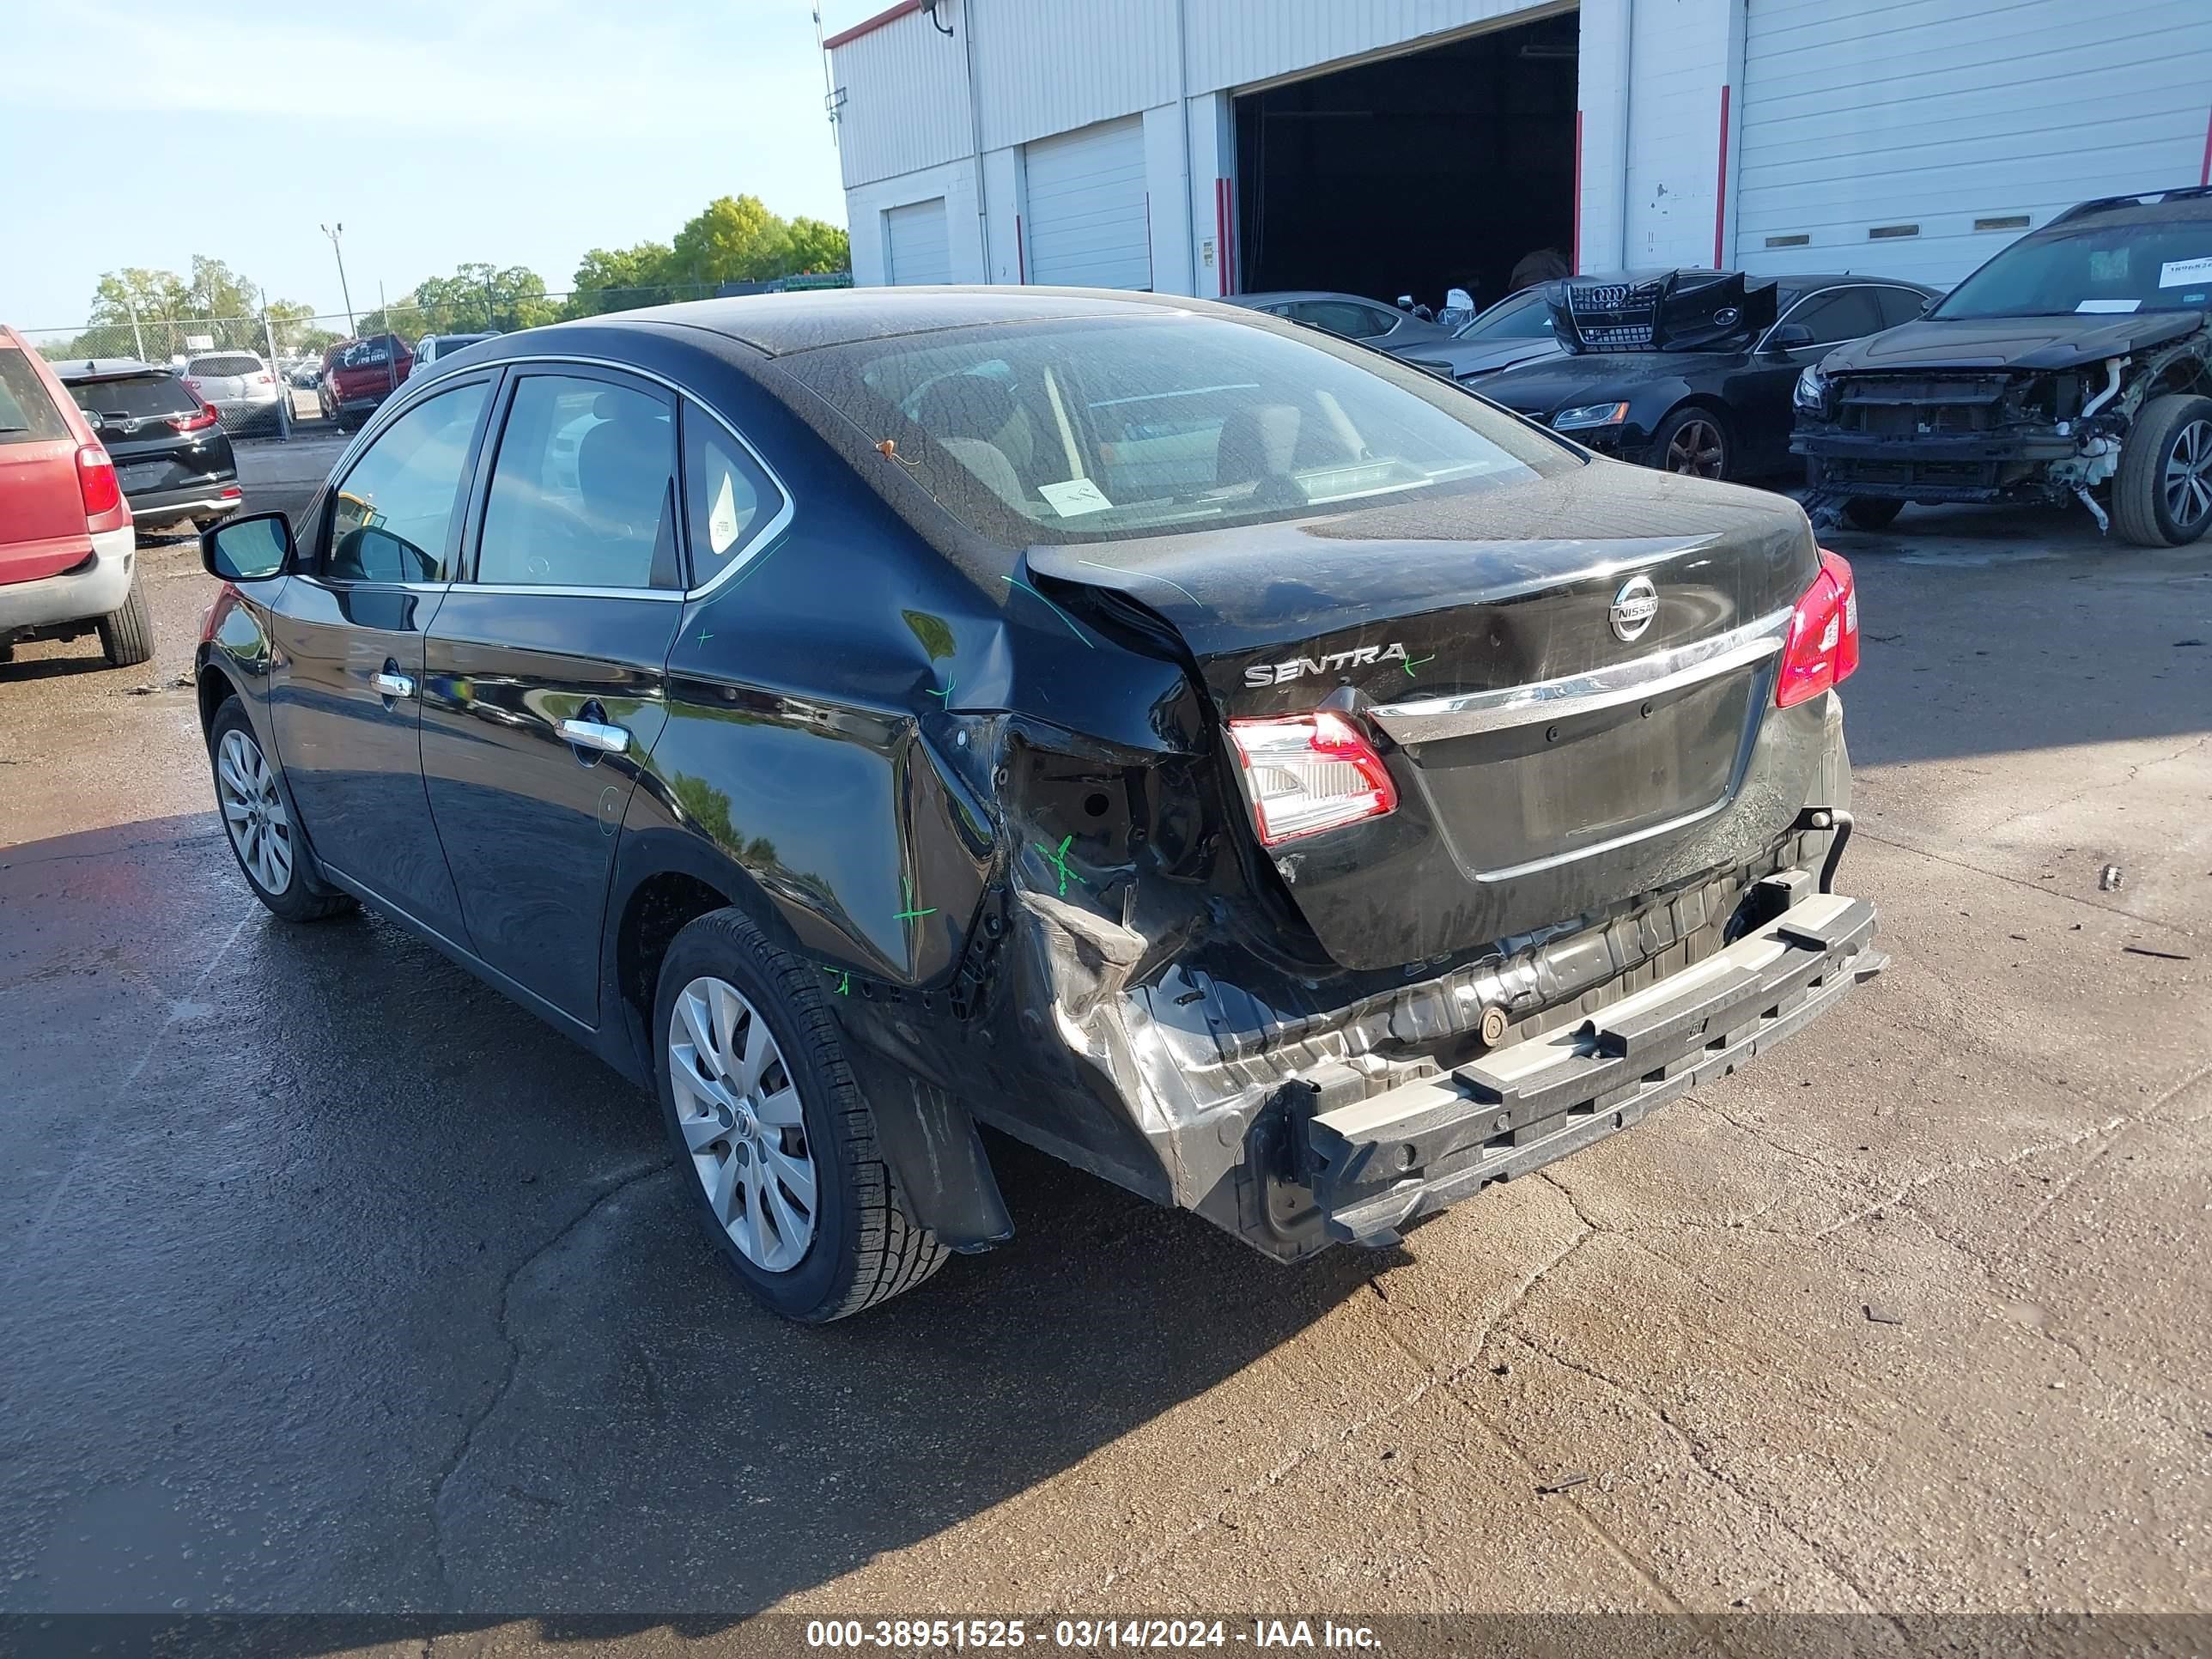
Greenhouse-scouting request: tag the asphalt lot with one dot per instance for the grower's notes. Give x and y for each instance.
(334, 1281)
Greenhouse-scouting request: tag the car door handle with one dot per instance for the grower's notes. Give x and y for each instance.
(393, 685)
(596, 735)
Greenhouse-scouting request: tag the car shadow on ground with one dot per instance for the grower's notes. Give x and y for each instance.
(424, 1318)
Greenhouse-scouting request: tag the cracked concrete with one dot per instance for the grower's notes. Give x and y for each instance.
(366, 1292)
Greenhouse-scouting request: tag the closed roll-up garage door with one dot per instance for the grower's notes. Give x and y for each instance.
(919, 250)
(1087, 224)
(1915, 139)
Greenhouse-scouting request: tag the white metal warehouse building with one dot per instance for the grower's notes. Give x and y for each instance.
(1387, 146)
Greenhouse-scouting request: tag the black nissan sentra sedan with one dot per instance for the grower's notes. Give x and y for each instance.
(1247, 768)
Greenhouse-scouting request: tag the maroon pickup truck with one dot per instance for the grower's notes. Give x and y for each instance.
(360, 374)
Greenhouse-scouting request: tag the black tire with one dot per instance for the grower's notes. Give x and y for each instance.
(1694, 441)
(864, 1248)
(1871, 513)
(2154, 504)
(126, 636)
(305, 896)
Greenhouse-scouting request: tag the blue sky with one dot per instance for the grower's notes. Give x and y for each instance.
(141, 132)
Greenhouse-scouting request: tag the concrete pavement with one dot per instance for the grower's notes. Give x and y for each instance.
(334, 1281)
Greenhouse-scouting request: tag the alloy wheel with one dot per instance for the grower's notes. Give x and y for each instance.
(253, 812)
(1696, 449)
(738, 1105)
(2188, 474)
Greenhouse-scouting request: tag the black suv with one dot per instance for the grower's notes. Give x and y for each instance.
(172, 455)
(2075, 365)
(1228, 758)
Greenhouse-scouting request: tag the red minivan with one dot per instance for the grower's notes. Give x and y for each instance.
(69, 560)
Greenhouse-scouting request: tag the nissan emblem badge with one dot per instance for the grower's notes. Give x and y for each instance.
(1634, 607)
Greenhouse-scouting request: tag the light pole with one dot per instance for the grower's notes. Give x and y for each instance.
(334, 232)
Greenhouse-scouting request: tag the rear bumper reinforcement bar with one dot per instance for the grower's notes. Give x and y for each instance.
(1376, 1163)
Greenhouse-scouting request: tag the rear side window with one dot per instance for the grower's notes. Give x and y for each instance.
(155, 396)
(394, 512)
(26, 412)
(582, 494)
(731, 502)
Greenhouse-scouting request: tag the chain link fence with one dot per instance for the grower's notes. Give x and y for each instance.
(274, 374)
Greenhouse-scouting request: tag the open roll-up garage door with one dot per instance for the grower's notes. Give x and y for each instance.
(1915, 139)
(1088, 226)
(918, 248)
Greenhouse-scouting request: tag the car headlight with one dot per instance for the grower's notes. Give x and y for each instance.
(1590, 415)
(1812, 389)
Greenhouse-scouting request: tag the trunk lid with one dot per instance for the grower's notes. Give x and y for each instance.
(1572, 719)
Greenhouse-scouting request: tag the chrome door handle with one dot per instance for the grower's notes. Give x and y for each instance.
(596, 735)
(393, 685)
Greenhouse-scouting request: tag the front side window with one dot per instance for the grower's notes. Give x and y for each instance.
(1900, 304)
(393, 514)
(1090, 431)
(582, 492)
(2114, 269)
(729, 498)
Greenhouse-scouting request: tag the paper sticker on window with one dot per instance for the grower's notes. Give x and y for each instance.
(2108, 264)
(2179, 273)
(2112, 306)
(1074, 497)
(722, 525)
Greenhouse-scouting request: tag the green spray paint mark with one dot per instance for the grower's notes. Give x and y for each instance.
(1416, 663)
(1054, 608)
(1058, 859)
(844, 978)
(910, 914)
(945, 696)
(704, 636)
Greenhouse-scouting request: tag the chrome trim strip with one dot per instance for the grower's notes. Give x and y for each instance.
(1553, 861)
(667, 595)
(1427, 720)
(760, 538)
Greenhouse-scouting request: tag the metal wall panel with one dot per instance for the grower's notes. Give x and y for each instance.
(1935, 114)
(1236, 42)
(1049, 66)
(906, 100)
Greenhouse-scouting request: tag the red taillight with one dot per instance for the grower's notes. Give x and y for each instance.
(95, 481)
(1823, 648)
(201, 417)
(1307, 772)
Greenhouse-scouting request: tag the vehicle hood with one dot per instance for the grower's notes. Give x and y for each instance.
(2029, 342)
(1541, 388)
(1462, 358)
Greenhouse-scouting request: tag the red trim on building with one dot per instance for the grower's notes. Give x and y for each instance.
(2204, 176)
(1021, 254)
(1575, 262)
(1720, 187)
(869, 26)
(1222, 235)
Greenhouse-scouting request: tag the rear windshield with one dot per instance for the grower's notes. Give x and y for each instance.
(365, 354)
(230, 363)
(27, 413)
(2113, 268)
(1097, 430)
(140, 395)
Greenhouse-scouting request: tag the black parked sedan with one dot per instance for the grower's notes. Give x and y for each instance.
(1693, 371)
(1234, 761)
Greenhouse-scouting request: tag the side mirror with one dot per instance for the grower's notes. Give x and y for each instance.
(249, 550)
(1788, 336)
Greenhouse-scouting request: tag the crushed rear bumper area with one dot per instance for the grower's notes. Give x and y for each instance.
(1375, 1162)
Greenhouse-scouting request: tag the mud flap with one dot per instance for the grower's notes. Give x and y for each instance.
(937, 1159)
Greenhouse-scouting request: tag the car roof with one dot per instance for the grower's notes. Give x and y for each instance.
(778, 324)
(2164, 207)
(1283, 296)
(106, 369)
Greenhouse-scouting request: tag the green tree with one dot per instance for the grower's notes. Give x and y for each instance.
(479, 296)
(616, 279)
(817, 245)
(735, 238)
